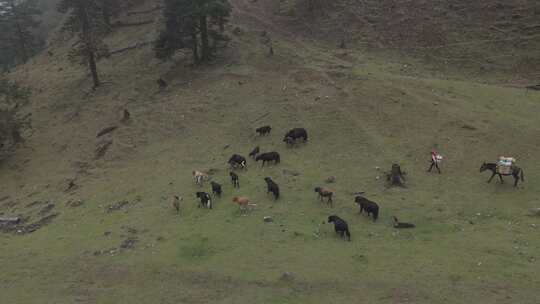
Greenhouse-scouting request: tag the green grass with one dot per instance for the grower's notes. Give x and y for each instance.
(474, 242)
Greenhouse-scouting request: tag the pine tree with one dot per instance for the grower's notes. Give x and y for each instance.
(110, 9)
(18, 20)
(86, 20)
(195, 24)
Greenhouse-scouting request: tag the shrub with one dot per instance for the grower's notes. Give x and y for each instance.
(12, 121)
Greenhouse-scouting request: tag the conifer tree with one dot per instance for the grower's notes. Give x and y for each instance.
(18, 20)
(86, 20)
(195, 24)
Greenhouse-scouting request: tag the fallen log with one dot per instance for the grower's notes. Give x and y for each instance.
(145, 12)
(106, 130)
(102, 149)
(126, 24)
(128, 48)
(10, 220)
(533, 87)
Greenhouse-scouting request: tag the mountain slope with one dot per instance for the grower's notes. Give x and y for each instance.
(473, 243)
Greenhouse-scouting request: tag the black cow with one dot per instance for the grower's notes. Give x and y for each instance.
(268, 157)
(294, 134)
(369, 206)
(340, 226)
(205, 200)
(234, 180)
(216, 188)
(237, 161)
(254, 152)
(272, 187)
(264, 130)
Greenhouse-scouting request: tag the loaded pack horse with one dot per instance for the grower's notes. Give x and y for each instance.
(516, 172)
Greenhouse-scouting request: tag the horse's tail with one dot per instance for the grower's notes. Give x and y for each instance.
(348, 234)
(521, 173)
(376, 214)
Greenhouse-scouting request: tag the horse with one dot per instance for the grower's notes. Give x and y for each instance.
(517, 172)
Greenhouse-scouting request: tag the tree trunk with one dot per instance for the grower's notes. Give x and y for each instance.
(205, 46)
(107, 18)
(195, 47)
(221, 24)
(88, 44)
(22, 43)
(93, 68)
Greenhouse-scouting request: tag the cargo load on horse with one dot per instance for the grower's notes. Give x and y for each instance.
(505, 165)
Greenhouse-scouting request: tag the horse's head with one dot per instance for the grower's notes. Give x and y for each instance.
(483, 167)
(358, 199)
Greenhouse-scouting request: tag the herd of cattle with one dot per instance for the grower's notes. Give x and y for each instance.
(291, 138)
(239, 162)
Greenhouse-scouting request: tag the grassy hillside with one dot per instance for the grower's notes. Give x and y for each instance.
(116, 238)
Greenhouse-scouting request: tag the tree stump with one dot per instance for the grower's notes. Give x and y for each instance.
(396, 176)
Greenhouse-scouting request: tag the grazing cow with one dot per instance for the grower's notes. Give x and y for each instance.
(234, 180)
(243, 202)
(289, 141)
(176, 203)
(399, 225)
(295, 134)
(369, 206)
(199, 177)
(325, 192)
(237, 161)
(216, 188)
(205, 200)
(254, 152)
(272, 187)
(340, 226)
(264, 130)
(268, 157)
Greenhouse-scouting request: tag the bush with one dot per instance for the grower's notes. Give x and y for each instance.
(12, 121)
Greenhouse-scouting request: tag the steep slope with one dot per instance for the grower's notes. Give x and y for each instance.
(123, 243)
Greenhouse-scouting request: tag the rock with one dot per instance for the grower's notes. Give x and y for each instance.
(286, 276)
(117, 206)
(268, 219)
(74, 203)
(128, 243)
(535, 212)
(237, 31)
(330, 180)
